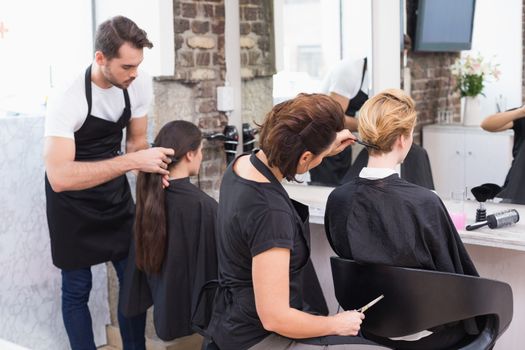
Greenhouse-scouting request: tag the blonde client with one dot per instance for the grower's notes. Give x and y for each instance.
(382, 219)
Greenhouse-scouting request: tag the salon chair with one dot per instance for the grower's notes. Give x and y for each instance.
(416, 300)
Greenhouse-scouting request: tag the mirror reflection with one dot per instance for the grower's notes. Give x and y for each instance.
(328, 49)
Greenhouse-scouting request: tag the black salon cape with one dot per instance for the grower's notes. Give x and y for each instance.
(415, 168)
(190, 261)
(393, 222)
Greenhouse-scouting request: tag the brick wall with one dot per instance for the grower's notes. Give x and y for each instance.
(191, 95)
(257, 58)
(432, 83)
(199, 68)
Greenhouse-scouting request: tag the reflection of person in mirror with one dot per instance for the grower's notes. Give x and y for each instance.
(348, 85)
(513, 189)
(90, 210)
(379, 218)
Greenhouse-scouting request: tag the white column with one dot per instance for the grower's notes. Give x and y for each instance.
(232, 50)
(386, 63)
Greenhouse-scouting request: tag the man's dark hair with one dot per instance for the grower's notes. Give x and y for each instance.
(114, 32)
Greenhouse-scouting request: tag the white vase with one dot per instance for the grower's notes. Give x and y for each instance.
(471, 114)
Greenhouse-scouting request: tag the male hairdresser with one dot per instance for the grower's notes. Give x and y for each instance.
(347, 84)
(90, 210)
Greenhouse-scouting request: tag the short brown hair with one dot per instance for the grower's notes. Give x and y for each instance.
(114, 32)
(385, 117)
(308, 122)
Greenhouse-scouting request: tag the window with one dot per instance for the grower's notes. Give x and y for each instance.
(42, 46)
(45, 43)
(312, 36)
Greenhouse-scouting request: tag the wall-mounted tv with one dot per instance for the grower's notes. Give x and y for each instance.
(444, 25)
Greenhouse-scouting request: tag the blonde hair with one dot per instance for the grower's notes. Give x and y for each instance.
(385, 117)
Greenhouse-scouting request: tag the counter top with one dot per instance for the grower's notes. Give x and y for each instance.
(510, 237)
(460, 128)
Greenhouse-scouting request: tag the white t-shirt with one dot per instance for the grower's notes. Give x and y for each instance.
(67, 106)
(345, 78)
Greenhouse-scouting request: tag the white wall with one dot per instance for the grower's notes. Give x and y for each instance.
(357, 28)
(41, 49)
(498, 37)
(30, 286)
(156, 18)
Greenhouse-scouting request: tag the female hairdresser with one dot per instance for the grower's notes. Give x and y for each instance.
(513, 189)
(174, 251)
(263, 238)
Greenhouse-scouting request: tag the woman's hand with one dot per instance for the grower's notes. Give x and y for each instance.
(165, 181)
(343, 139)
(348, 322)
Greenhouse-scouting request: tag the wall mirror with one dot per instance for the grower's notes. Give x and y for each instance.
(465, 156)
(309, 46)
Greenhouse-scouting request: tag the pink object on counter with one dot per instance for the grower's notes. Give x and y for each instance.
(459, 220)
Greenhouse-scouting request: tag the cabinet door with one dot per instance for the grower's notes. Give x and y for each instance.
(446, 152)
(487, 158)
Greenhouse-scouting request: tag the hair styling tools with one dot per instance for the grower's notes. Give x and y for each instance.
(496, 220)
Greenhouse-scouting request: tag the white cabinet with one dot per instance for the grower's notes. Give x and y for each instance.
(466, 156)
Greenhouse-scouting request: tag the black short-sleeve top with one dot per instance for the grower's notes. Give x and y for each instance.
(252, 218)
(519, 135)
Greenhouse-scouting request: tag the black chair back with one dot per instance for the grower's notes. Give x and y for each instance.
(416, 300)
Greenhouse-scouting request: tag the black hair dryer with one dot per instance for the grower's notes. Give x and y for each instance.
(230, 136)
(248, 137)
(231, 142)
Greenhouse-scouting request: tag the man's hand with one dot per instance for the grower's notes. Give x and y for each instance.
(153, 160)
(343, 139)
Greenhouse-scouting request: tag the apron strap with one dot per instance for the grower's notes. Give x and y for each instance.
(259, 165)
(87, 85)
(263, 169)
(364, 71)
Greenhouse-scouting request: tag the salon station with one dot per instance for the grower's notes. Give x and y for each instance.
(223, 65)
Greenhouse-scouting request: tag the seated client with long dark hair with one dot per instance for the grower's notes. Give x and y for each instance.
(174, 250)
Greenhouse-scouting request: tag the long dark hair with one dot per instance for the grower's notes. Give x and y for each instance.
(150, 221)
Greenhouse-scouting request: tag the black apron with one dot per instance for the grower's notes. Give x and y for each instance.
(358, 100)
(307, 293)
(333, 169)
(311, 295)
(92, 226)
